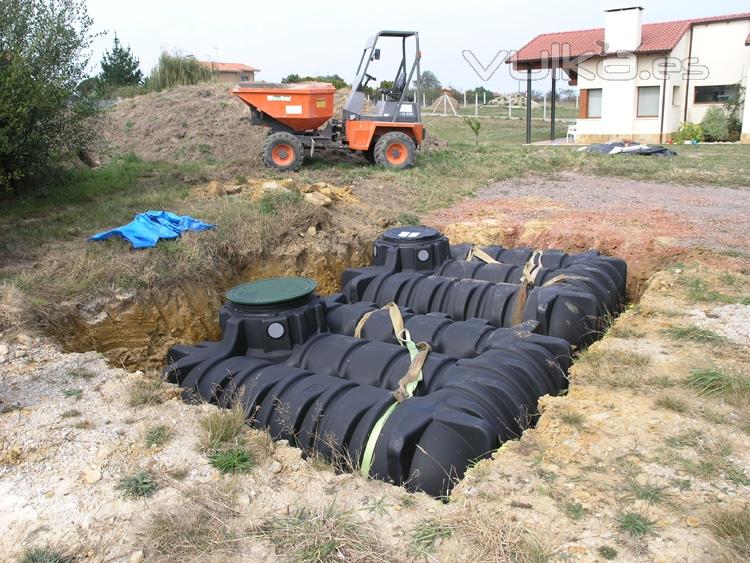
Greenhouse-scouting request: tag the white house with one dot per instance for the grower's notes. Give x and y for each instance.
(641, 81)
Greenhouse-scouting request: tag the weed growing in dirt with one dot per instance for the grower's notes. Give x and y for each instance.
(146, 390)
(714, 416)
(73, 394)
(694, 334)
(672, 404)
(407, 501)
(574, 510)
(81, 371)
(139, 485)
(622, 330)
(734, 387)
(222, 427)
(607, 552)
(635, 524)
(425, 535)
(324, 535)
(72, 413)
(573, 419)
(271, 202)
(45, 555)
(648, 492)
(377, 506)
(407, 219)
(733, 526)
(83, 425)
(711, 458)
(234, 460)
(157, 436)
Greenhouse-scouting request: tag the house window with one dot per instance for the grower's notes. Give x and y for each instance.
(676, 95)
(648, 101)
(243, 78)
(594, 103)
(715, 94)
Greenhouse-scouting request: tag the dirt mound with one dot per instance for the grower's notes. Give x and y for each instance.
(184, 124)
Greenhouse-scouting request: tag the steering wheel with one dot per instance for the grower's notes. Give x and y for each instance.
(369, 77)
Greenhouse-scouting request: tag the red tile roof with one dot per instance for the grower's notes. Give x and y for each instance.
(656, 38)
(229, 67)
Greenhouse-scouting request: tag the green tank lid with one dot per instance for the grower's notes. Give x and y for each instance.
(271, 291)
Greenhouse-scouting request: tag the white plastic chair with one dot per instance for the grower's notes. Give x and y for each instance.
(572, 132)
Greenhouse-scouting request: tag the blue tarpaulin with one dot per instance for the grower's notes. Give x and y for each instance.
(147, 228)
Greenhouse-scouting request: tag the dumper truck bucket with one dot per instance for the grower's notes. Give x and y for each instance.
(300, 106)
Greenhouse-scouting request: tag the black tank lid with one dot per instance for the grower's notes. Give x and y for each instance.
(415, 234)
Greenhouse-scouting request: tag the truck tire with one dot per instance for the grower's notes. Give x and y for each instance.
(282, 151)
(395, 150)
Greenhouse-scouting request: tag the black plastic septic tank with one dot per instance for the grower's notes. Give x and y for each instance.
(415, 248)
(267, 318)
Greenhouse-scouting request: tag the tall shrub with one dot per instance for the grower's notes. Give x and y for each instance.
(174, 69)
(715, 125)
(44, 51)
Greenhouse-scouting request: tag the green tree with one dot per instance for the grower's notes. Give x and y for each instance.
(120, 67)
(44, 50)
(481, 92)
(429, 81)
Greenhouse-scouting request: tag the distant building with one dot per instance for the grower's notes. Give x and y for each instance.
(231, 72)
(640, 81)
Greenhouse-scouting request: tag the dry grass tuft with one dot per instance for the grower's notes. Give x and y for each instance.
(11, 307)
(223, 428)
(479, 533)
(672, 404)
(733, 527)
(612, 367)
(324, 535)
(203, 523)
(147, 390)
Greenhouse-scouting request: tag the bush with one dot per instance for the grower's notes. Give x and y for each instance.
(174, 69)
(715, 125)
(43, 57)
(689, 132)
(334, 79)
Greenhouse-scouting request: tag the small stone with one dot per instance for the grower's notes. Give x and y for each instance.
(318, 199)
(243, 500)
(692, 521)
(3, 350)
(3, 358)
(24, 339)
(136, 557)
(229, 190)
(311, 230)
(276, 467)
(91, 475)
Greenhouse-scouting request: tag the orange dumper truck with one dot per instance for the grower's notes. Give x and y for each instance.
(300, 115)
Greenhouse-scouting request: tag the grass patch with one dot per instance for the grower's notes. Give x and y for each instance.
(615, 368)
(324, 535)
(733, 527)
(157, 436)
(45, 555)
(204, 523)
(573, 419)
(81, 371)
(425, 535)
(222, 427)
(711, 459)
(694, 334)
(635, 524)
(138, 485)
(733, 387)
(699, 291)
(83, 425)
(72, 413)
(234, 460)
(406, 219)
(648, 492)
(672, 404)
(573, 510)
(146, 390)
(76, 394)
(607, 552)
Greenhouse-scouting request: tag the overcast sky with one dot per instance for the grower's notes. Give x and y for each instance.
(326, 37)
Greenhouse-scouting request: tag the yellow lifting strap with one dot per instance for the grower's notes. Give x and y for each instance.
(406, 385)
(528, 280)
(476, 252)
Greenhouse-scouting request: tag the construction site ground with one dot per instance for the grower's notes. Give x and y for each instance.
(646, 458)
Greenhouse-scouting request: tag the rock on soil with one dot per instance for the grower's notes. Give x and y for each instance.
(730, 321)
